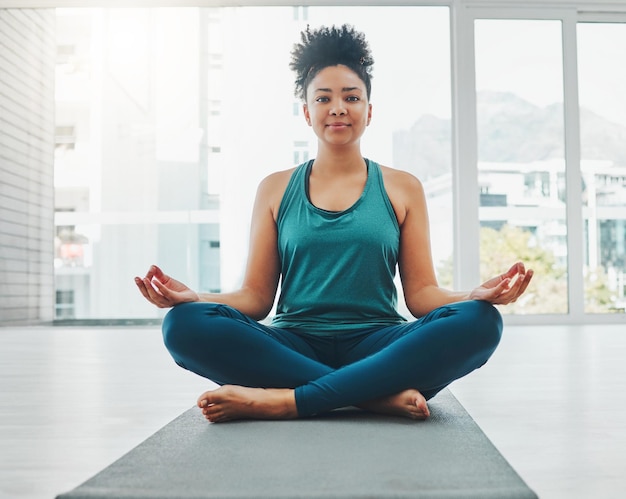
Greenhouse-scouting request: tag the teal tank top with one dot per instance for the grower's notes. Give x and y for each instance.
(337, 268)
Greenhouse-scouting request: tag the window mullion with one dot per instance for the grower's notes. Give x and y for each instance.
(464, 152)
(573, 179)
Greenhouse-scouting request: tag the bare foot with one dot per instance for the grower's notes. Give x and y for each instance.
(409, 403)
(231, 402)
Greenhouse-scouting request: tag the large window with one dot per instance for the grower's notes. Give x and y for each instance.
(602, 78)
(521, 156)
(168, 118)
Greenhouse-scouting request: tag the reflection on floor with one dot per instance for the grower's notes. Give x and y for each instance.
(74, 399)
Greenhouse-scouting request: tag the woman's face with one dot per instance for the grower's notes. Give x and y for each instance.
(336, 106)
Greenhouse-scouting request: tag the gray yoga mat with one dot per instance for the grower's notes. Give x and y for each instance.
(345, 454)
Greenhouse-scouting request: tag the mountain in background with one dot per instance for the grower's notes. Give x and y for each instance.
(510, 129)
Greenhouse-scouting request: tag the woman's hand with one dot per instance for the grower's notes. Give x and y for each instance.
(505, 288)
(162, 290)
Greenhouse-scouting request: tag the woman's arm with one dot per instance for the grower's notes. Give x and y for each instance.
(255, 297)
(419, 282)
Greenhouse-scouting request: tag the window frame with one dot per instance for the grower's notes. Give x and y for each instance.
(466, 155)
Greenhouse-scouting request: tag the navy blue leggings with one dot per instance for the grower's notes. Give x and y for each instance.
(328, 372)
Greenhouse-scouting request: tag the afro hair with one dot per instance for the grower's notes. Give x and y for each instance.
(330, 46)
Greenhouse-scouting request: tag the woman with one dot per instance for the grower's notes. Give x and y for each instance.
(333, 231)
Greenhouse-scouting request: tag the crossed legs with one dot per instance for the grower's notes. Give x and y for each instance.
(274, 373)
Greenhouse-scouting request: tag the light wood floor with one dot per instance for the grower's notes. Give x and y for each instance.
(74, 399)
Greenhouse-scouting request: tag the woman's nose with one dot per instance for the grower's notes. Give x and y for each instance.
(338, 108)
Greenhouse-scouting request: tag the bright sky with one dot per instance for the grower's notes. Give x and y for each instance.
(525, 57)
(602, 69)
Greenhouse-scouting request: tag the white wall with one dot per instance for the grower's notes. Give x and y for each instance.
(27, 61)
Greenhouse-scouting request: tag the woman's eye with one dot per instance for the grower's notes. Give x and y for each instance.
(321, 99)
(353, 98)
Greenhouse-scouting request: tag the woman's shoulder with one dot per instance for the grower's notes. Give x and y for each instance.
(272, 188)
(277, 181)
(400, 180)
(405, 191)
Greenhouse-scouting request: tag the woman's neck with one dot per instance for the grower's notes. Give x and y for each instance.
(333, 161)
